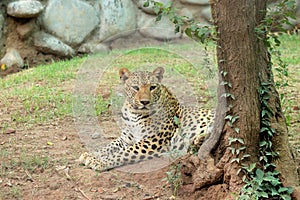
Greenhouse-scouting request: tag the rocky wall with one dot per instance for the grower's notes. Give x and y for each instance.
(33, 32)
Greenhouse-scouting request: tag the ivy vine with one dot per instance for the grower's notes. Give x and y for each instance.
(263, 181)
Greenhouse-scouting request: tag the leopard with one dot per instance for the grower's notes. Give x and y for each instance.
(154, 123)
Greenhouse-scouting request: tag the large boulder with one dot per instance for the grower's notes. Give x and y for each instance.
(24, 9)
(12, 58)
(117, 18)
(49, 44)
(70, 20)
(93, 47)
(161, 30)
(206, 14)
(1, 27)
(196, 2)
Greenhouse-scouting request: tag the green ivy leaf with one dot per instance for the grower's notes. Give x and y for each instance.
(259, 174)
(263, 194)
(146, 4)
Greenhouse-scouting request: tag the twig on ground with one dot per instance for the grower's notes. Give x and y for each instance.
(28, 175)
(82, 193)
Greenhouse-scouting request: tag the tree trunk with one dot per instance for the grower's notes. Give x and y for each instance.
(244, 63)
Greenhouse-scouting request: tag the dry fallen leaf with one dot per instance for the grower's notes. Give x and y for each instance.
(64, 138)
(50, 143)
(10, 131)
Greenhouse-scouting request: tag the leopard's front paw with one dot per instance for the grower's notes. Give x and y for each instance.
(91, 161)
(199, 140)
(84, 158)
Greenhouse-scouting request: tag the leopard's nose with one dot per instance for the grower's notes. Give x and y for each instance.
(145, 102)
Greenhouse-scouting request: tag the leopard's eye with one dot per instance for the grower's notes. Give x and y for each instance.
(136, 88)
(152, 87)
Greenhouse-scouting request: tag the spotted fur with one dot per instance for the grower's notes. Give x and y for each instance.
(154, 123)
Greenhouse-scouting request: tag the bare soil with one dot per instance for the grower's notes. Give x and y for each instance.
(63, 177)
(39, 162)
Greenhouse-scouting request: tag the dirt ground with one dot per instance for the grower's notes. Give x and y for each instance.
(63, 177)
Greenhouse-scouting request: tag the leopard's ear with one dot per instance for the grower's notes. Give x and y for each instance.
(124, 74)
(159, 72)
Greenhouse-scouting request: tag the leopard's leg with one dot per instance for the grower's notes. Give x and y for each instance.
(192, 132)
(101, 154)
(126, 139)
(145, 149)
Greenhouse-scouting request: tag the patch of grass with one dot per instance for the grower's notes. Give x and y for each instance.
(41, 94)
(38, 95)
(26, 160)
(16, 191)
(290, 48)
(53, 74)
(32, 162)
(174, 178)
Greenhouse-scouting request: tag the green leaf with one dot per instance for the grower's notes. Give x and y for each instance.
(234, 119)
(263, 194)
(146, 4)
(273, 180)
(285, 189)
(235, 160)
(240, 140)
(246, 156)
(158, 18)
(251, 167)
(232, 149)
(274, 192)
(286, 197)
(188, 32)
(231, 140)
(237, 130)
(228, 117)
(222, 72)
(228, 95)
(240, 149)
(259, 174)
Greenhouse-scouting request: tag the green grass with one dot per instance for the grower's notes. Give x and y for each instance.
(290, 48)
(38, 95)
(42, 94)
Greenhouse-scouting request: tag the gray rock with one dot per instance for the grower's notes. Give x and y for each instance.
(12, 58)
(25, 30)
(149, 9)
(24, 9)
(49, 44)
(93, 48)
(96, 135)
(206, 14)
(1, 25)
(187, 12)
(117, 18)
(70, 20)
(298, 10)
(133, 42)
(197, 2)
(161, 30)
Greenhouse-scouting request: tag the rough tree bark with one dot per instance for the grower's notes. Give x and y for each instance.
(242, 58)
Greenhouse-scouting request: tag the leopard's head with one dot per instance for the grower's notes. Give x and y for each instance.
(142, 89)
